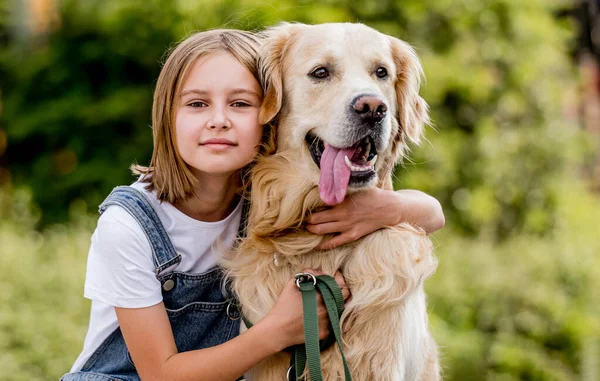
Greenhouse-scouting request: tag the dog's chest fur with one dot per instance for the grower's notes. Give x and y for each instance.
(385, 322)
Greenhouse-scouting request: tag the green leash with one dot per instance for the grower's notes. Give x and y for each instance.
(310, 353)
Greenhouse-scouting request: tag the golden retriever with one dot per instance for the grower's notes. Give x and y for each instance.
(343, 99)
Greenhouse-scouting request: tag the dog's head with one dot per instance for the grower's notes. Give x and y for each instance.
(345, 98)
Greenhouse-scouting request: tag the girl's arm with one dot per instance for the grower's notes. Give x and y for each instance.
(364, 212)
(149, 339)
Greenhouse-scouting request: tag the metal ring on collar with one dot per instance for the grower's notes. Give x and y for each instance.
(303, 277)
(229, 314)
(287, 375)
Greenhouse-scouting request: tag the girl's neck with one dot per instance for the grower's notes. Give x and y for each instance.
(214, 199)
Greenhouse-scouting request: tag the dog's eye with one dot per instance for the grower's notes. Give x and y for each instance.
(381, 72)
(320, 73)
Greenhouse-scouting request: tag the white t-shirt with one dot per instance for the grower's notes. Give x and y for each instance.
(120, 270)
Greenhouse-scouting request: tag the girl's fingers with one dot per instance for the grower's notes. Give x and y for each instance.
(327, 227)
(329, 215)
(323, 329)
(339, 278)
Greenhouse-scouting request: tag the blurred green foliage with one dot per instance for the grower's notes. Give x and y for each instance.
(43, 318)
(515, 295)
(77, 102)
(525, 309)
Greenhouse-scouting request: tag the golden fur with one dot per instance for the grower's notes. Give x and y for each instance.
(385, 329)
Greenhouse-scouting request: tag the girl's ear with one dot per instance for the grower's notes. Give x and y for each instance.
(270, 66)
(413, 112)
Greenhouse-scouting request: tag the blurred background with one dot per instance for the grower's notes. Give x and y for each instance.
(513, 156)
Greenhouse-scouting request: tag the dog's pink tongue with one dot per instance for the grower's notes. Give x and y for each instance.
(335, 174)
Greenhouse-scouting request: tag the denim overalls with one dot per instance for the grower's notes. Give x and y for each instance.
(200, 315)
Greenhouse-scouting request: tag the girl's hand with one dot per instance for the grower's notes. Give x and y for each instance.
(286, 317)
(364, 212)
(149, 338)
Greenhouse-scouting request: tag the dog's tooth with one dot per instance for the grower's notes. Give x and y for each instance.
(372, 161)
(359, 168)
(348, 162)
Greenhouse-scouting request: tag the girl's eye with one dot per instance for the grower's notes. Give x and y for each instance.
(240, 104)
(197, 104)
(320, 73)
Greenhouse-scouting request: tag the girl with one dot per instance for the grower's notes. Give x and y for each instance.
(158, 309)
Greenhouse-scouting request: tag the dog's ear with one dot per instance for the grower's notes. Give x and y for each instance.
(413, 112)
(270, 66)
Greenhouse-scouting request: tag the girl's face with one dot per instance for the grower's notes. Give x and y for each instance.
(216, 126)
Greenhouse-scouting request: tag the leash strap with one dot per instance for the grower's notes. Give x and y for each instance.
(310, 353)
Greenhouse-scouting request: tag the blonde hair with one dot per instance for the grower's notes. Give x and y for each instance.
(167, 173)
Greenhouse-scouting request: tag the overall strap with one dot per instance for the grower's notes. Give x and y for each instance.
(241, 234)
(244, 220)
(136, 204)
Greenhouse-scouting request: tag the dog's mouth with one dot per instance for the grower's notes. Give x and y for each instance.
(341, 167)
(363, 158)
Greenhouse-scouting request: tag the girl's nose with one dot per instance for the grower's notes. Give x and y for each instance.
(219, 120)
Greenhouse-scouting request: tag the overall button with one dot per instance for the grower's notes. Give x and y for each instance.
(168, 285)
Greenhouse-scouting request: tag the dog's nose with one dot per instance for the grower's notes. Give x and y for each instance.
(370, 108)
